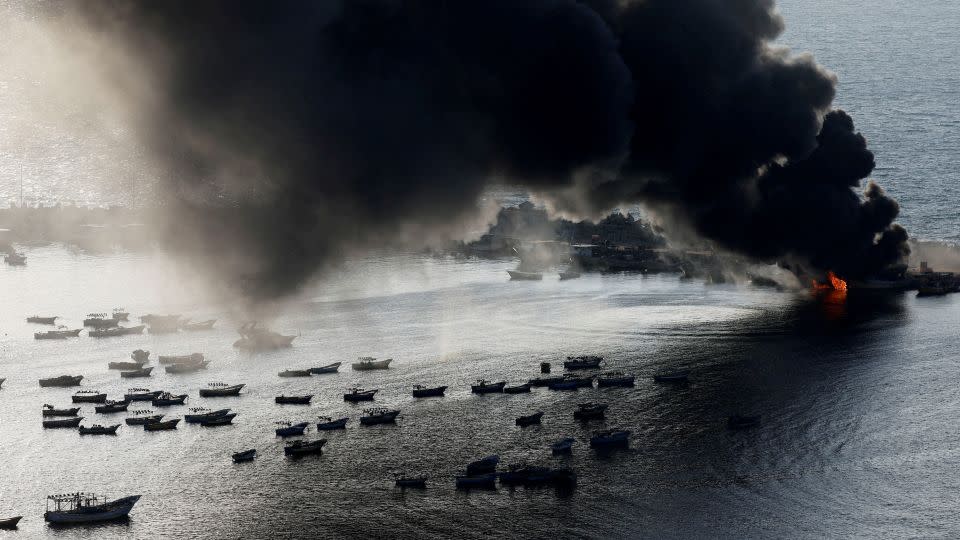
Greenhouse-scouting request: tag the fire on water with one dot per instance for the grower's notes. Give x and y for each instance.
(834, 283)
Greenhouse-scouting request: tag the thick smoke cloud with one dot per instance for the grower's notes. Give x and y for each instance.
(300, 129)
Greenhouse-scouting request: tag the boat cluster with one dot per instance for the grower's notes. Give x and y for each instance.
(103, 325)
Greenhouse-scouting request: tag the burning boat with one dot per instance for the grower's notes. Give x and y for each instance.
(253, 337)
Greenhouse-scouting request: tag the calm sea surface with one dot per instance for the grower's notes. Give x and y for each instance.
(861, 417)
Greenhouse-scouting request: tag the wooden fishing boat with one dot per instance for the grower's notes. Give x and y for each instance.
(610, 438)
(61, 381)
(222, 420)
(141, 394)
(544, 381)
(137, 373)
(519, 389)
(516, 275)
(288, 429)
(152, 318)
(563, 446)
(246, 455)
(165, 425)
(293, 400)
(615, 378)
(194, 358)
(221, 390)
(254, 337)
(420, 391)
(167, 399)
(530, 419)
(329, 368)
(120, 314)
(97, 429)
(89, 396)
(303, 448)
(63, 423)
(143, 418)
(57, 334)
(478, 481)
(100, 320)
(590, 411)
(197, 326)
(484, 386)
(368, 363)
(10, 523)
(187, 368)
(482, 466)
(37, 319)
(123, 365)
(86, 508)
(295, 373)
(327, 423)
(112, 407)
(582, 362)
(200, 414)
(569, 274)
(49, 410)
(359, 394)
(405, 481)
(378, 416)
(116, 331)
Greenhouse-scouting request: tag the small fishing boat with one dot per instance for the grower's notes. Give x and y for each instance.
(57, 334)
(15, 259)
(614, 378)
(63, 423)
(100, 320)
(116, 331)
(564, 385)
(563, 446)
(295, 373)
(89, 396)
(530, 419)
(609, 438)
(164, 425)
(293, 400)
(420, 391)
(97, 429)
(288, 429)
(327, 423)
(590, 411)
(254, 337)
(123, 365)
(221, 390)
(485, 465)
(378, 416)
(519, 389)
(246, 455)
(10, 523)
(120, 314)
(62, 381)
(484, 386)
(143, 418)
(141, 394)
(544, 381)
(112, 407)
(194, 358)
(201, 414)
(478, 481)
(152, 318)
(49, 410)
(167, 399)
(517, 275)
(37, 319)
(303, 448)
(86, 508)
(198, 326)
(137, 373)
(405, 481)
(222, 420)
(140, 356)
(675, 377)
(367, 363)
(582, 362)
(742, 422)
(187, 368)
(569, 274)
(359, 394)
(329, 368)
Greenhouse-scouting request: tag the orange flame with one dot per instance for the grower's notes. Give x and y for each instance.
(835, 283)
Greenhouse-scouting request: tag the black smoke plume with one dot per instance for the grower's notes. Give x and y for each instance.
(299, 129)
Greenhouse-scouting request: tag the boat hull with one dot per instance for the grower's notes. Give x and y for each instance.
(429, 392)
(222, 392)
(332, 368)
(68, 423)
(388, 418)
(293, 400)
(364, 396)
(115, 510)
(61, 382)
(137, 374)
(61, 412)
(494, 388)
(10, 523)
(369, 366)
(335, 424)
(294, 373)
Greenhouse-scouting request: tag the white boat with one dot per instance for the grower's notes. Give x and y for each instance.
(366, 363)
(86, 508)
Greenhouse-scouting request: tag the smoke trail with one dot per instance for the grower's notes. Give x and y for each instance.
(301, 129)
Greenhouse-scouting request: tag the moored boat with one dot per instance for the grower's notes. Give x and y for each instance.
(112, 407)
(327, 423)
(197, 326)
(163, 425)
(86, 508)
(675, 377)
(610, 438)
(293, 400)
(200, 414)
(100, 320)
(221, 390)
(544, 381)
(519, 389)
(120, 314)
(123, 365)
(116, 331)
(288, 429)
(37, 319)
(485, 465)
(187, 368)
(737, 421)
(49, 410)
(89, 396)
(63, 423)
(590, 411)
(222, 420)
(378, 416)
(97, 429)
(194, 358)
(582, 362)
(329, 368)
(152, 318)
(530, 419)
(143, 417)
(478, 481)
(517, 275)
(303, 448)
(167, 399)
(564, 385)
(57, 334)
(563, 446)
(141, 394)
(407, 481)
(614, 378)
(569, 274)
(420, 391)
(253, 337)
(10, 523)
(484, 386)
(367, 363)
(246, 455)
(137, 373)
(359, 394)
(294, 373)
